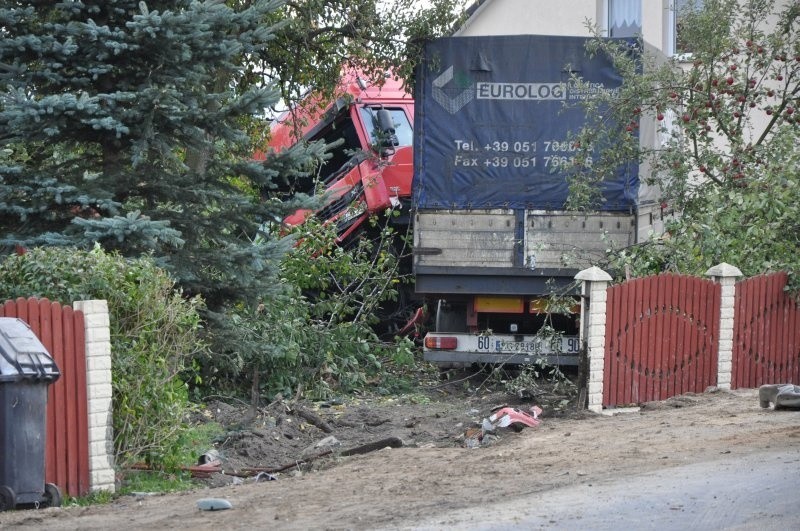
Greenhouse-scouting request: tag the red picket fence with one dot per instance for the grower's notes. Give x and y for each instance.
(662, 338)
(61, 330)
(766, 337)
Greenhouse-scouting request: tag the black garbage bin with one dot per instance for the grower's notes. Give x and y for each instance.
(26, 370)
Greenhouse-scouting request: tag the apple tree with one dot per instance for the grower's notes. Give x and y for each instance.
(717, 130)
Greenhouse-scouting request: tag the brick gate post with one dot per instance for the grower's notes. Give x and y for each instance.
(98, 393)
(725, 275)
(593, 330)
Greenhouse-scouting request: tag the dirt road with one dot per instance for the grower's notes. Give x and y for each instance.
(413, 487)
(758, 492)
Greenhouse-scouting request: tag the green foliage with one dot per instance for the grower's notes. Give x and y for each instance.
(314, 336)
(534, 377)
(320, 37)
(154, 334)
(121, 122)
(349, 281)
(755, 227)
(195, 440)
(132, 124)
(719, 132)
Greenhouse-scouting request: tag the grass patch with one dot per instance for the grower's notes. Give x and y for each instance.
(192, 443)
(100, 497)
(156, 481)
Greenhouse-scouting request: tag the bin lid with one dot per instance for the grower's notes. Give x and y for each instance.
(22, 355)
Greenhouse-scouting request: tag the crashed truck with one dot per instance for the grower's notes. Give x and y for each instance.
(491, 148)
(369, 128)
(491, 237)
(369, 167)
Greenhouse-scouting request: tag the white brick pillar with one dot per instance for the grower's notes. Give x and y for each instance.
(725, 275)
(593, 330)
(98, 382)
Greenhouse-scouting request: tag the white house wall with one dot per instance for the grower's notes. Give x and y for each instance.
(530, 17)
(562, 17)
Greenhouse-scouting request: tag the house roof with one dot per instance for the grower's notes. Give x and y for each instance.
(472, 12)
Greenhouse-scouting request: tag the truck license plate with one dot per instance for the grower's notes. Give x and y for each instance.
(528, 345)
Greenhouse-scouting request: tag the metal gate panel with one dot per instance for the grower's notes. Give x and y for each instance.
(662, 336)
(766, 339)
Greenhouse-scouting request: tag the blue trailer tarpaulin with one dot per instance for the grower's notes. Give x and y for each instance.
(493, 118)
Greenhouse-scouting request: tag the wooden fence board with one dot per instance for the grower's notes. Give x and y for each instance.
(674, 328)
(649, 303)
(57, 394)
(683, 332)
(627, 341)
(703, 314)
(631, 385)
(612, 306)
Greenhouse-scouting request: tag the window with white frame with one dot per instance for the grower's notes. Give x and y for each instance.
(624, 18)
(678, 11)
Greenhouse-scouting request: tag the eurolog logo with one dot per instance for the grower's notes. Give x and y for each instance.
(521, 91)
(454, 99)
(440, 94)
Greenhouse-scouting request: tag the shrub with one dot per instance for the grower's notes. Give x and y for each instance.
(154, 332)
(281, 348)
(312, 336)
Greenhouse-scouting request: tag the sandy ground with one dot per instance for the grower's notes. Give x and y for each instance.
(437, 474)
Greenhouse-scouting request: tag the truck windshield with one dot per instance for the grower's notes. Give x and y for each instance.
(402, 126)
(341, 132)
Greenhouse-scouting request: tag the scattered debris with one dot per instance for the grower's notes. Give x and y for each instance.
(502, 417)
(285, 436)
(210, 457)
(203, 471)
(390, 442)
(197, 471)
(328, 443)
(265, 476)
(309, 416)
(610, 412)
(473, 437)
(781, 395)
(376, 422)
(512, 417)
(139, 494)
(213, 504)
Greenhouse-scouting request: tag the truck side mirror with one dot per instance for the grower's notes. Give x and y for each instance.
(386, 127)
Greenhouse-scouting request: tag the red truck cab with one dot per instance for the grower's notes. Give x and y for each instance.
(371, 168)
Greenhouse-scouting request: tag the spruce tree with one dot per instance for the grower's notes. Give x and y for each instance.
(123, 122)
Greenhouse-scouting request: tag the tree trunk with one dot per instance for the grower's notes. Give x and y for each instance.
(255, 394)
